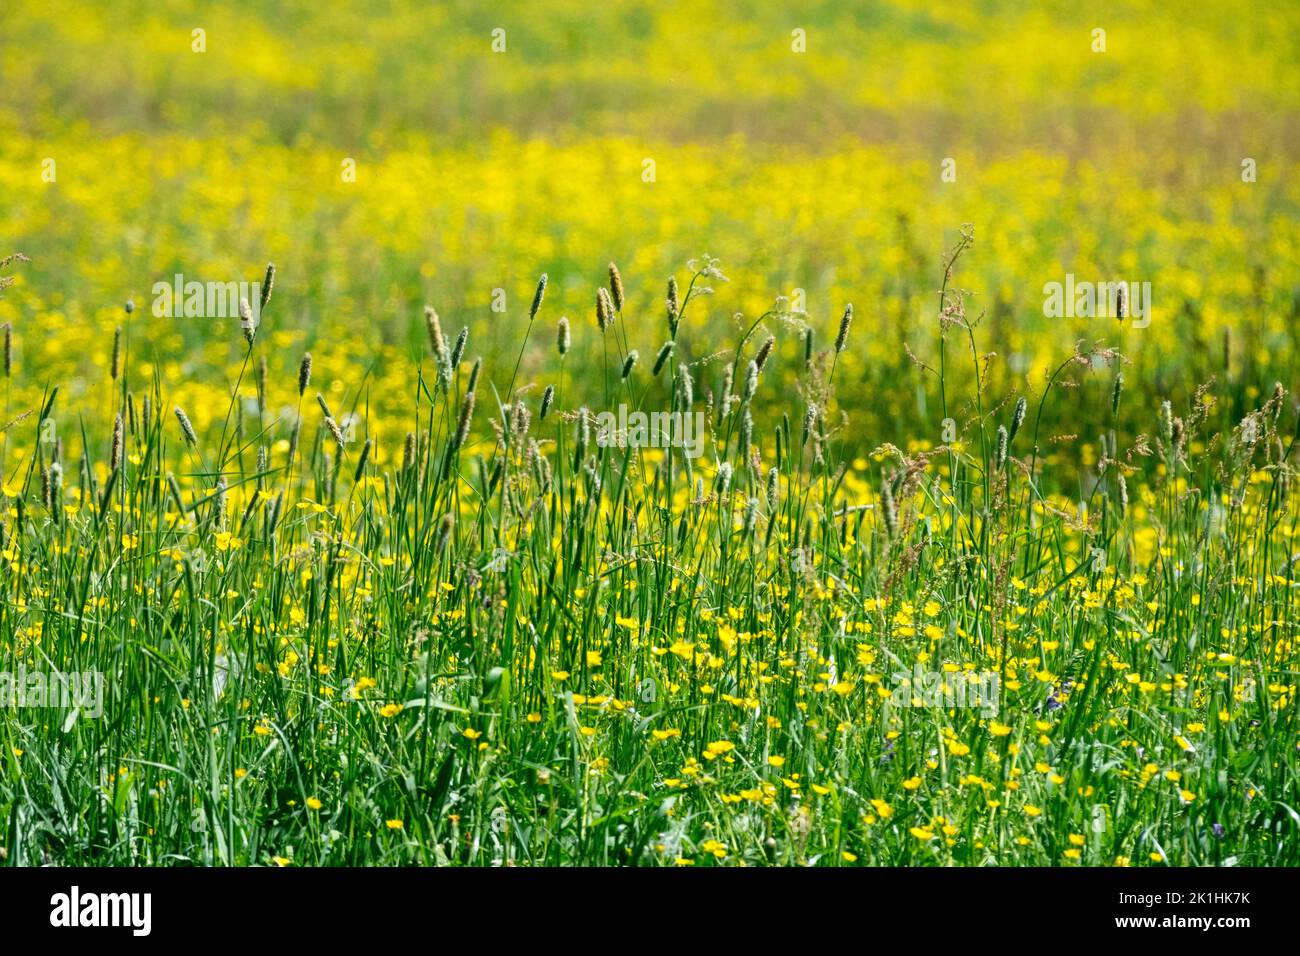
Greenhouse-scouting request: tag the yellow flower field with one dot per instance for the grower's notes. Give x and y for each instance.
(925, 570)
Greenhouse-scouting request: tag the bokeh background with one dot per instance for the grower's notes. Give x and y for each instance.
(818, 170)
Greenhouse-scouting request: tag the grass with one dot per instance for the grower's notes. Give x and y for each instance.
(499, 642)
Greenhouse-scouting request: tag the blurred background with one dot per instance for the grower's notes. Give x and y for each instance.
(389, 154)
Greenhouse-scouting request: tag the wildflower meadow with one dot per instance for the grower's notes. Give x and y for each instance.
(640, 436)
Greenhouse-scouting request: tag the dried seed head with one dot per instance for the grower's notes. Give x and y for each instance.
(629, 362)
(686, 384)
(1115, 393)
(1000, 461)
(473, 374)
(520, 419)
(773, 489)
(723, 481)
(751, 381)
(616, 286)
(115, 451)
(304, 374)
(116, 367)
(583, 437)
(842, 337)
(1123, 495)
(808, 347)
(809, 420)
(765, 352)
(246, 321)
(187, 429)
(1167, 421)
(548, 396)
(324, 406)
(438, 342)
(562, 339)
(604, 310)
(129, 306)
(335, 431)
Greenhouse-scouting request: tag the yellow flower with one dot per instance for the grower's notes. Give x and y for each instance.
(718, 850)
(313, 803)
(394, 824)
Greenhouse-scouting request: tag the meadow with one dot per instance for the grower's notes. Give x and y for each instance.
(953, 580)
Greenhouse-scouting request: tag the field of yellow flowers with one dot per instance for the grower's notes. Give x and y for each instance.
(357, 571)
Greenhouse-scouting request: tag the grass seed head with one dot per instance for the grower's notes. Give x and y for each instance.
(115, 452)
(1018, 417)
(268, 284)
(362, 460)
(458, 350)
(463, 421)
(842, 337)
(665, 350)
(304, 374)
(562, 339)
(604, 310)
(616, 286)
(537, 298)
(187, 429)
